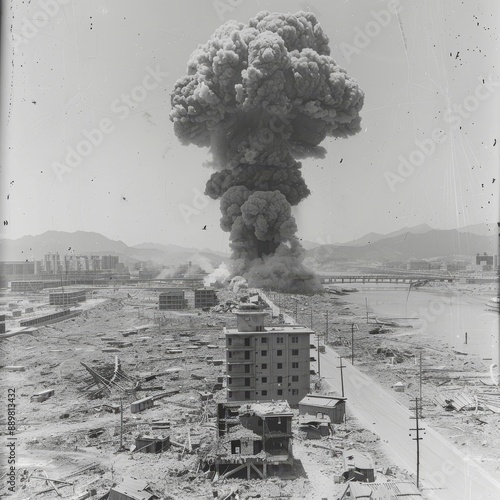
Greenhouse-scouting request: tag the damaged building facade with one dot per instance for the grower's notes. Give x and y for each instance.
(266, 362)
(254, 440)
(172, 300)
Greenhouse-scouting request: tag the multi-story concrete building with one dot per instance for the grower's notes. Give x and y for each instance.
(109, 261)
(205, 297)
(266, 362)
(52, 263)
(172, 300)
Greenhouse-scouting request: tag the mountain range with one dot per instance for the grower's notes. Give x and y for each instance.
(403, 246)
(86, 243)
(418, 242)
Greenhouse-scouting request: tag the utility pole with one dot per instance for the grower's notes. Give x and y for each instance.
(420, 377)
(311, 317)
(341, 375)
(352, 343)
(296, 310)
(121, 423)
(326, 328)
(417, 437)
(366, 302)
(319, 359)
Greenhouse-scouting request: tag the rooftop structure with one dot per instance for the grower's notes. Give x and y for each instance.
(381, 491)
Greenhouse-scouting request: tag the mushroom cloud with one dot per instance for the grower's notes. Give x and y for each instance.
(261, 96)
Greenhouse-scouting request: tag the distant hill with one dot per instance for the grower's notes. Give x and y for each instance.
(86, 243)
(374, 237)
(485, 229)
(425, 245)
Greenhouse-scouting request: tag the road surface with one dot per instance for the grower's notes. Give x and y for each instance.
(445, 472)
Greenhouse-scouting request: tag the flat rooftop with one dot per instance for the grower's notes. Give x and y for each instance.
(273, 329)
(261, 408)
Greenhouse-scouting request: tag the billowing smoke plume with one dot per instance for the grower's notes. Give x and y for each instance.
(261, 95)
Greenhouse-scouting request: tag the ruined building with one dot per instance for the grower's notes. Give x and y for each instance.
(205, 297)
(266, 362)
(172, 300)
(254, 440)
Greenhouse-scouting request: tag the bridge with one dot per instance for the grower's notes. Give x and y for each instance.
(382, 278)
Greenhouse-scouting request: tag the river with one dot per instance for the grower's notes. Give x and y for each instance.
(445, 313)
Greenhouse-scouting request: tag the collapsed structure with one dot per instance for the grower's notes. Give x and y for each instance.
(260, 96)
(254, 440)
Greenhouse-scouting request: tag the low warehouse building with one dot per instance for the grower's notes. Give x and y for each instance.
(381, 491)
(26, 286)
(131, 489)
(333, 407)
(152, 444)
(64, 298)
(141, 405)
(358, 467)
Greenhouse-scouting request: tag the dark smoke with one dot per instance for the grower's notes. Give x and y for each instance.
(261, 95)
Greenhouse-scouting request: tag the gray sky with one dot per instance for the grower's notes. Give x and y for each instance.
(422, 72)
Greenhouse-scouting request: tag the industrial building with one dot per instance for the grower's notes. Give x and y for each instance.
(172, 300)
(65, 298)
(266, 362)
(205, 297)
(20, 268)
(50, 318)
(254, 440)
(418, 265)
(31, 286)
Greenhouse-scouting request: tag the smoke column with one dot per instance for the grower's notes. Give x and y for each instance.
(262, 95)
